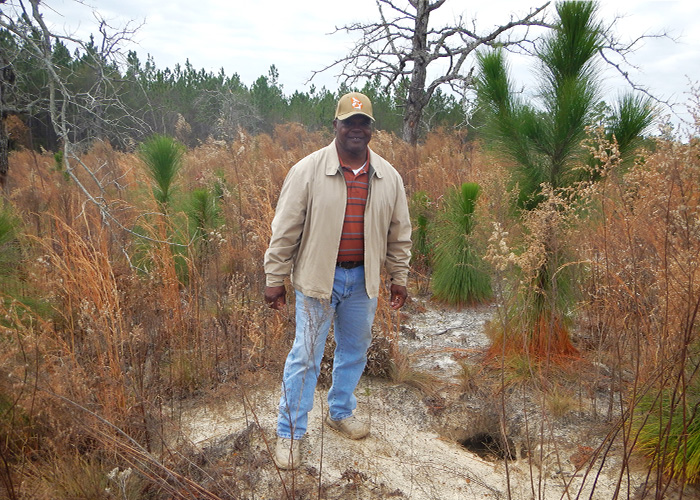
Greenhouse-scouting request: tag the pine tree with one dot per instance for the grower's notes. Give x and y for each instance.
(544, 140)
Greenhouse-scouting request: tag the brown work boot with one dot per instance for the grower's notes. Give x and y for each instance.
(287, 453)
(349, 427)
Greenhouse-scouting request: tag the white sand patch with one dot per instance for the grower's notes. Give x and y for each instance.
(404, 454)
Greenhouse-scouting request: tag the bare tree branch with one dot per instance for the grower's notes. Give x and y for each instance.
(403, 44)
(80, 117)
(618, 49)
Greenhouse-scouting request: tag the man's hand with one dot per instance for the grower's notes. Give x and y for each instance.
(398, 296)
(275, 296)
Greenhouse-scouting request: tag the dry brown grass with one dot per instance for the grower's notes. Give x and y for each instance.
(641, 316)
(122, 345)
(101, 379)
(126, 339)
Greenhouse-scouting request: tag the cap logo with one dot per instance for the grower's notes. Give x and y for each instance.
(356, 103)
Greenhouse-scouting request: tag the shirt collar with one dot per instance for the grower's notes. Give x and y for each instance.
(364, 167)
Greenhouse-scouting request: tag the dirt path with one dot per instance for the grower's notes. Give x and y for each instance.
(413, 450)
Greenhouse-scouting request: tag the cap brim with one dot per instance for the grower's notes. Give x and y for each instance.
(353, 113)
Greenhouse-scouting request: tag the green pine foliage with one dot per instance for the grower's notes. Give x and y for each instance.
(633, 115)
(544, 140)
(669, 429)
(460, 275)
(9, 246)
(14, 286)
(162, 156)
(421, 212)
(205, 219)
(544, 137)
(203, 212)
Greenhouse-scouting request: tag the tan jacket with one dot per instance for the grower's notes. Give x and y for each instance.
(309, 219)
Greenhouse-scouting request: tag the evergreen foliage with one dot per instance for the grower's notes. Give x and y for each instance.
(204, 216)
(203, 212)
(544, 140)
(669, 428)
(544, 137)
(9, 249)
(162, 156)
(421, 212)
(10, 257)
(459, 273)
(139, 99)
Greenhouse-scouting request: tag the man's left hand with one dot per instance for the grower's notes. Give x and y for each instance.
(398, 296)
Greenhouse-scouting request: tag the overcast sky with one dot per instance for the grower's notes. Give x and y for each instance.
(246, 37)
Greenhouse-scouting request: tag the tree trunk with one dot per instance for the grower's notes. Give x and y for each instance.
(6, 77)
(416, 99)
(4, 162)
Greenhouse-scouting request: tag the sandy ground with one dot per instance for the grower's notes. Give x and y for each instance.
(413, 450)
(400, 454)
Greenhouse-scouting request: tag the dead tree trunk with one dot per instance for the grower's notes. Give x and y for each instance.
(401, 46)
(4, 160)
(416, 99)
(7, 77)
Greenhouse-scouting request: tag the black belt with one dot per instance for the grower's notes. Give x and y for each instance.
(351, 264)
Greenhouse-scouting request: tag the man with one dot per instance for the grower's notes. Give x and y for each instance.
(341, 216)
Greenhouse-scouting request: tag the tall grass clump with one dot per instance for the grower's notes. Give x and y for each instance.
(460, 275)
(643, 299)
(10, 255)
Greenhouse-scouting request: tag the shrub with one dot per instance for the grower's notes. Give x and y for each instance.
(459, 273)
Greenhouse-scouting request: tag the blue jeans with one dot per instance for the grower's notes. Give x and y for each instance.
(352, 312)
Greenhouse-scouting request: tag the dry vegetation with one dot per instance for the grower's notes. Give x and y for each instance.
(106, 336)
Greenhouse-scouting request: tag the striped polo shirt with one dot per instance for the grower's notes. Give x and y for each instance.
(352, 239)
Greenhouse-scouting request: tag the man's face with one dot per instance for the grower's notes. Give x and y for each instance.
(353, 134)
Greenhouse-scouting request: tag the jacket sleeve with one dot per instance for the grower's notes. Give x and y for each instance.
(398, 252)
(287, 227)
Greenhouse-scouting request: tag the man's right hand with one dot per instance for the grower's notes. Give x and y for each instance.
(275, 296)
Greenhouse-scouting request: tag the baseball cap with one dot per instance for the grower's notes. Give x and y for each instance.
(353, 103)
